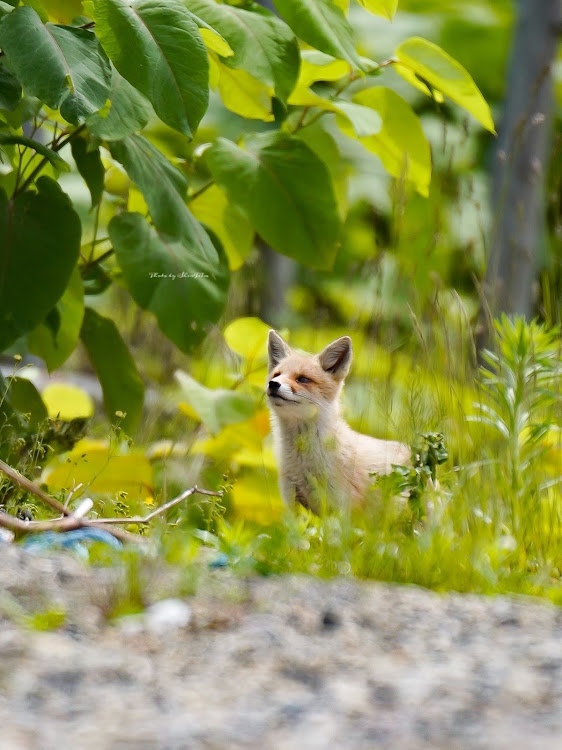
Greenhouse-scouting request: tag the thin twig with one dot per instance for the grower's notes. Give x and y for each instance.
(30, 486)
(162, 508)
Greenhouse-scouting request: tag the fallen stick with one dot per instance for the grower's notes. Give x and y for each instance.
(69, 521)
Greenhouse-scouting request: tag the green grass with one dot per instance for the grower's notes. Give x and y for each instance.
(492, 524)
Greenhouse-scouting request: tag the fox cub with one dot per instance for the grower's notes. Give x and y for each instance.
(319, 455)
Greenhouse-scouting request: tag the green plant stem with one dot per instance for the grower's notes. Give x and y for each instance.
(44, 161)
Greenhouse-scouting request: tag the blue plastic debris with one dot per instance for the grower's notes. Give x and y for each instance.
(75, 541)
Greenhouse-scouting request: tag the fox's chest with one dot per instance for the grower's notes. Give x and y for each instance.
(309, 467)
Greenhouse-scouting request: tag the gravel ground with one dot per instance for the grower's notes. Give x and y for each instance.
(274, 664)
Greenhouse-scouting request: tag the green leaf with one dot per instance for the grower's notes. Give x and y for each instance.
(90, 166)
(56, 346)
(213, 209)
(436, 67)
(125, 112)
(10, 88)
(123, 389)
(325, 147)
(57, 161)
(321, 24)
(24, 398)
(384, 8)
(63, 66)
(286, 192)
(401, 144)
(164, 189)
(185, 289)
(174, 71)
(5, 8)
(262, 43)
(216, 407)
(39, 247)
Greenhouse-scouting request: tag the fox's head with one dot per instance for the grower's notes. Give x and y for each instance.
(301, 386)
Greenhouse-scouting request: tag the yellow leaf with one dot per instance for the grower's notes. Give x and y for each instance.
(215, 42)
(256, 498)
(66, 402)
(401, 144)
(443, 72)
(317, 66)
(247, 337)
(212, 207)
(136, 201)
(188, 411)
(384, 8)
(95, 465)
(62, 11)
(243, 94)
(414, 81)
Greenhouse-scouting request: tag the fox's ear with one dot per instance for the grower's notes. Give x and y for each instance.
(336, 357)
(277, 349)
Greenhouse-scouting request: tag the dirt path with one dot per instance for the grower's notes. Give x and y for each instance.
(275, 664)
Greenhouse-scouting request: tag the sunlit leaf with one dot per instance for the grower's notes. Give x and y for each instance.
(243, 94)
(436, 67)
(66, 401)
(100, 469)
(213, 209)
(247, 337)
(384, 8)
(401, 144)
(263, 45)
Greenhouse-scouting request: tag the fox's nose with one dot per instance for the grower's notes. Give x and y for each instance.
(273, 386)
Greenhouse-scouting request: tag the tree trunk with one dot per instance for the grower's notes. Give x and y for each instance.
(519, 168)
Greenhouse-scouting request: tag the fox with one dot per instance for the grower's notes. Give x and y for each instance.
(320, 458)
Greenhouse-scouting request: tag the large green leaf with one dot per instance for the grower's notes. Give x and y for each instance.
(22, 396)
(164, 189)
(10, 88)
(57, 161)
(434, 66)
(89, 164)
(262, 44)
(39, 247)
(321, 24)
(215, 407)
(286, 192)
(156, 46)
(184, 289)
(63, 66)
(123, 389)
(126, 111)
(400, 144)
(55, 339)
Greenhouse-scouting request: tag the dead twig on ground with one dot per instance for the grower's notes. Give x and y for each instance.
(69, 521)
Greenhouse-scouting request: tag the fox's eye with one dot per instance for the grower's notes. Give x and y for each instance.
(276, 374)
(303, 379)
